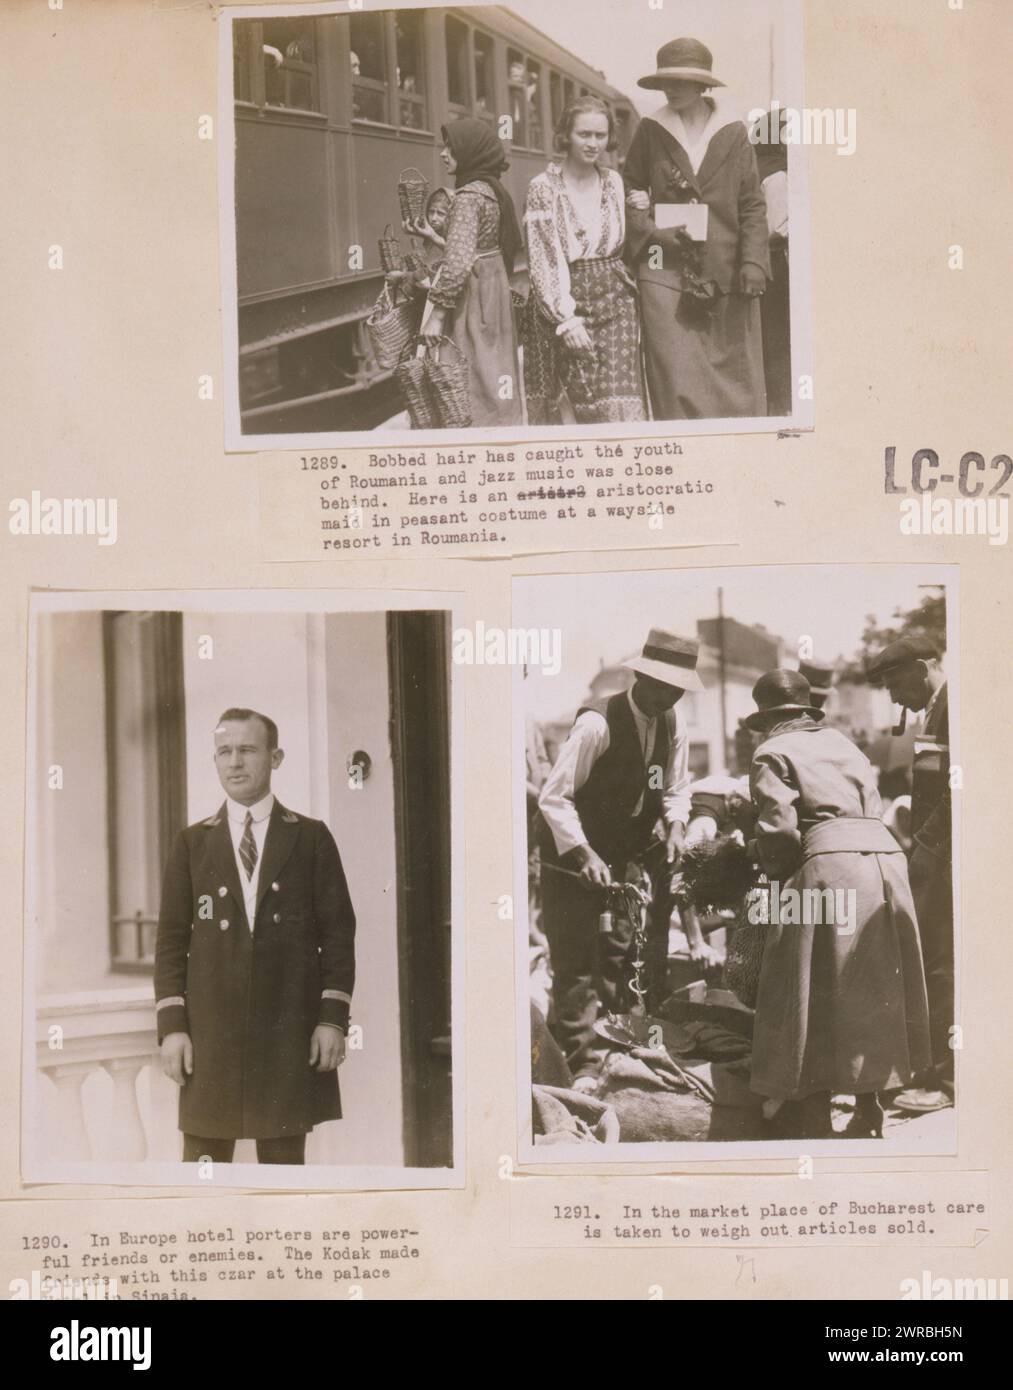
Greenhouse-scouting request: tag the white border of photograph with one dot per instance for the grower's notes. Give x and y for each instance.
(35, 1167)
(525, 615)
(236, 441)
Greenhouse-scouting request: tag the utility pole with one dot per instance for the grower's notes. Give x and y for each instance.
(721, 678)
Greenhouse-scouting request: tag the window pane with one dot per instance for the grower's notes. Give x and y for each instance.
(368, 58)
(457, 61)
(485, 84)
(534, 106)
(410, 70)
(555, 97)
(289, 56)
(517, 79)
(369, 68)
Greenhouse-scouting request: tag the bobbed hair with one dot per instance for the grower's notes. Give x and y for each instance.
(578, 107)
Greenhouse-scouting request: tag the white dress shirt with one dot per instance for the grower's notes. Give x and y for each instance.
(587, 742)
(261, 813)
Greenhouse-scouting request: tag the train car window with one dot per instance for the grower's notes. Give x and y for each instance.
(517, 82)
(457, 62)
(568, 91)
(369, 68)
(533, 93)
(555, 98)
(410, 70)
(240, 62)
(485, 75)
(290, 64)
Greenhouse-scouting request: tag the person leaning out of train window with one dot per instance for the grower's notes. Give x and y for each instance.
(582, 328)
(469, 299)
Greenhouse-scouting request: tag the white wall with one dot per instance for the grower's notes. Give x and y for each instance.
(72, 879)
(259, 662)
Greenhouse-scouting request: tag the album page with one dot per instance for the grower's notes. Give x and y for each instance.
(506, 636)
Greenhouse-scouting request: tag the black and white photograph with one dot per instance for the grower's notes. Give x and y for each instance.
(735, 846)
(488, 222)
(240, 960)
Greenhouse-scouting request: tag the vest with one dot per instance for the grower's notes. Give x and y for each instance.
(607, 800)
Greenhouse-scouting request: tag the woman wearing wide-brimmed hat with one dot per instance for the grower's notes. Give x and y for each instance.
(699, 285)
(841, 1006)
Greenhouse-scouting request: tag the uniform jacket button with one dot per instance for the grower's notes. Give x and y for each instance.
(275, 887)
(222, 891)
(277, 916)
(224, 924)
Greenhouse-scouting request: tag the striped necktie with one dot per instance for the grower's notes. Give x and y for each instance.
(248, 846)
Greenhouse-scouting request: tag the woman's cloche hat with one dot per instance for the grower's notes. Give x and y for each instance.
(686, 60)
(781, 693)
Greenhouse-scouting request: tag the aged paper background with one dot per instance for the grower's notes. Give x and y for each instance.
(103, 361)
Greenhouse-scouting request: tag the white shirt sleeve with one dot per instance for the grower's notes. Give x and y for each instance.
(587, 741)
(675, 800)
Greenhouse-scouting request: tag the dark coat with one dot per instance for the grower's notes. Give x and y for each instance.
(728, 182)
(250, 1001)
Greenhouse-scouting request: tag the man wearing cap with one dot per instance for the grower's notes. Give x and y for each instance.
(911, 670)
(254, 962)
(623, 768)
(820, 676)
(697, 236)
(840, 1005)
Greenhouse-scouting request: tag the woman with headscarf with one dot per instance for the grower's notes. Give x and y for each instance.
(469, 300)
(582, 327)
(841, 1004)
(700, 271)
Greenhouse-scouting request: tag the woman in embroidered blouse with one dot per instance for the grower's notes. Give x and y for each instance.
(698, 298)
(469, 299)
(581, 331)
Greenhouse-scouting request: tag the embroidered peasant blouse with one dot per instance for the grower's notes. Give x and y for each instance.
(557, 236)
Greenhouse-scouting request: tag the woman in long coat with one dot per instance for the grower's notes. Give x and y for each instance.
(582, 327)
(469, 300)
(698, 298)
(840, 1007)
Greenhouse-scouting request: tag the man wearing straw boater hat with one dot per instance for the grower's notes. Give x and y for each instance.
(911, 670)
(623, 769)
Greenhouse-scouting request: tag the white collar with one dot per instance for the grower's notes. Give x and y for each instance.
(260, 810)
(935, 696)
(695, 147)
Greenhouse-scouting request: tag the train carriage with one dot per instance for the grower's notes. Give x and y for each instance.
(329, 110)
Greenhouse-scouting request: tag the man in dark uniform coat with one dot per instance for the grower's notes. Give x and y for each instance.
(911, 671)
(623, 769)
(254, 962)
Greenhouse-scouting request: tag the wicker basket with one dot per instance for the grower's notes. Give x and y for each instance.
(390, 251)
(412, 376)
(412, 191)
(449, 384)
(392, 325)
